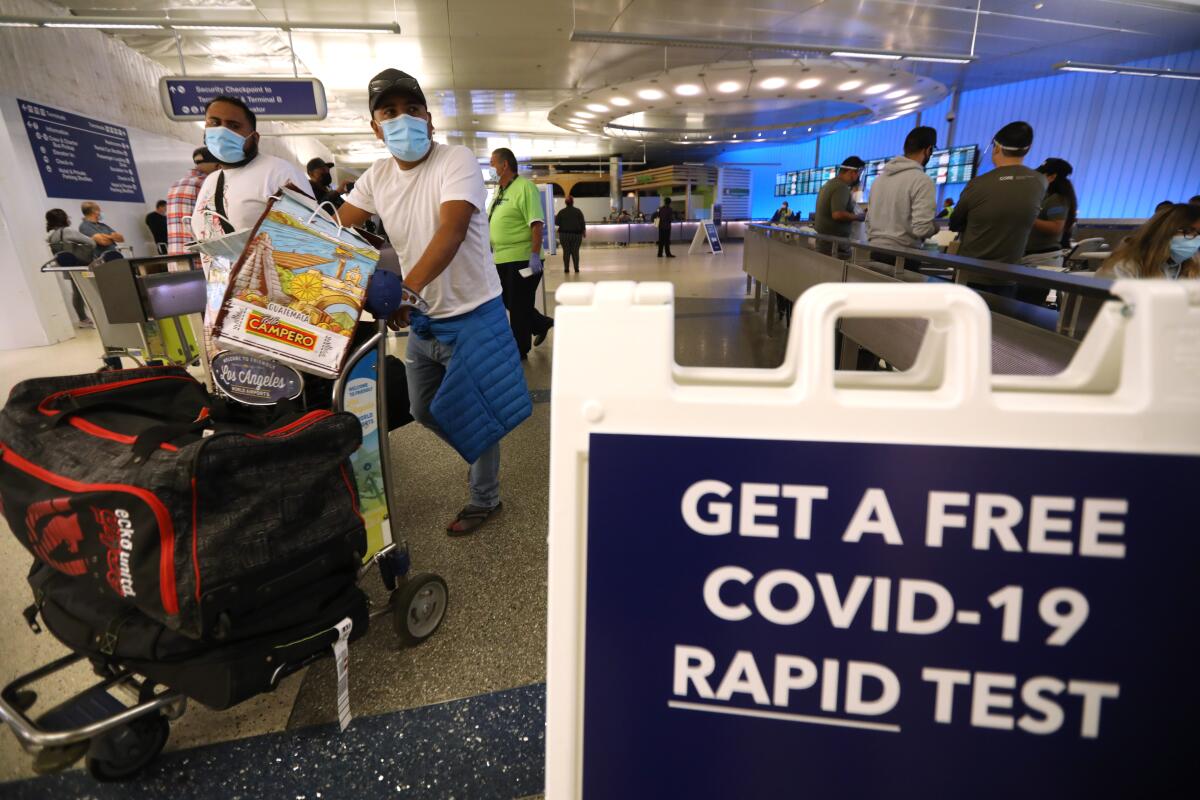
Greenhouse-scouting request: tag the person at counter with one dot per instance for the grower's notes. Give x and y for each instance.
(903, 198)
(665, 215)
(1051, 233)
(1168, 246)
(783, 214)
(572, 230)
(947, 208)
(234, 197)
(996, 211)
(835, 203)
(515, 221)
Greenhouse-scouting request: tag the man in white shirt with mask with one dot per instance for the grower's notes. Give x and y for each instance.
(239, 190)
(431, 199)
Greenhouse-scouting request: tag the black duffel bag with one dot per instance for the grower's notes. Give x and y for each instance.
(288, 631)
(129, 483)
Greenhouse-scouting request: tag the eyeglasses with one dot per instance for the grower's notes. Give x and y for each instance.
(1189, 233)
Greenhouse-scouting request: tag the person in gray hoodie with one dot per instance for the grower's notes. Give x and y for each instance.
(903, 200)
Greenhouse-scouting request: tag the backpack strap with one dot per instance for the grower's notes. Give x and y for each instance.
(219, 202)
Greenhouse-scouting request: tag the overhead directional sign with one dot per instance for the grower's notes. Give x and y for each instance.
(81, 158)
(184, 99)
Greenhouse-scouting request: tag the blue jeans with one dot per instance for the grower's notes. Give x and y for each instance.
(425, 367)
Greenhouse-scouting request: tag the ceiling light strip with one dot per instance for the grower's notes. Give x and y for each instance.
(159, 23)
(1121, 69)
(651, 40)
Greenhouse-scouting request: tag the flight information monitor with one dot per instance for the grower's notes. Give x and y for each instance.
(956, 165)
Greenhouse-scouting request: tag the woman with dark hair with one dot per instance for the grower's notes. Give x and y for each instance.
(63, 238)
(1051, 233)
(1165, 247)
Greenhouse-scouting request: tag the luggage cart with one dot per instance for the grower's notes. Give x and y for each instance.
(166, 340)
(122, 722)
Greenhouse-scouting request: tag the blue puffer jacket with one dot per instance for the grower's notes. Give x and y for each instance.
(483, 395)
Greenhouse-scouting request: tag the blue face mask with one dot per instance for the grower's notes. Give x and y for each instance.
(407, 138)
(227, 146)
(1183, 248)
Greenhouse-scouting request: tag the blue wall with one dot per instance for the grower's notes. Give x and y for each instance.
(1133, 141)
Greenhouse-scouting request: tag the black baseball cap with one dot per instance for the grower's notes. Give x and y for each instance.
(393, 81)
(317, 163)
(853, 162)
(201, 155)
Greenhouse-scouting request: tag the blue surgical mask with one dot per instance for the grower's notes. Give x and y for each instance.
(407, 138)
(493, 175)
(227, 146)
(1183, 248)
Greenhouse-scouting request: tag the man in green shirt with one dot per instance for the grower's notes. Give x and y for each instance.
(835, 203)
(515, 221)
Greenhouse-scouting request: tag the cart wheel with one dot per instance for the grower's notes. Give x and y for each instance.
(130, 748)
(418, 607)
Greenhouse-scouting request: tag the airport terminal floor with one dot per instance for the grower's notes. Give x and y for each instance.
(461, 715)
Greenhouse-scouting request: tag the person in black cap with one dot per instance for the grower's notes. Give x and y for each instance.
(181, 200)
(835, 203)
(996, 211)
(320, 178)
(431, 198)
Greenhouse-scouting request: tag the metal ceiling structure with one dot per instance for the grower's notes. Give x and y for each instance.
(493, 70)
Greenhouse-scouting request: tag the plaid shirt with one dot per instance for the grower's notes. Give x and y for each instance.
(181, 199)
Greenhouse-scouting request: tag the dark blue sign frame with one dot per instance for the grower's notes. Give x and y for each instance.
(80, 158)
(1016, 720)
(184, 99)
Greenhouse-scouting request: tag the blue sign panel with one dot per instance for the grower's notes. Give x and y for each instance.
(714, 241)
(770, 619)
(268, 98)
(80, 158)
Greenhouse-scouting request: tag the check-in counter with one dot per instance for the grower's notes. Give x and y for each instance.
(647, 232)
(1027, 339)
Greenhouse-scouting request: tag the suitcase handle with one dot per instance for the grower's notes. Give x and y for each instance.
(148, 442)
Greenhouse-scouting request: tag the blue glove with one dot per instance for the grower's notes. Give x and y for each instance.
(535, 263)
(386, 294)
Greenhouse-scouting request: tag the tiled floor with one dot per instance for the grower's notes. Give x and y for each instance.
(493, 639)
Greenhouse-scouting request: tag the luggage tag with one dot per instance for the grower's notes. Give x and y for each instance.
(341, 654)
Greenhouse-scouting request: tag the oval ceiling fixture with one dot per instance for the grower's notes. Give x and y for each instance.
(772, 100)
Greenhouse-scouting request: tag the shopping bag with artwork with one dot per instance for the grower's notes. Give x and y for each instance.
(296, 292)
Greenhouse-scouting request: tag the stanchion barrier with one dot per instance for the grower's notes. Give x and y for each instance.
(802, 582)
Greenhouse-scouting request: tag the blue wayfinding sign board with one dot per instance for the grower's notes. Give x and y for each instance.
(714, 241)
(769, 619)
(81, 158)
(268, 98)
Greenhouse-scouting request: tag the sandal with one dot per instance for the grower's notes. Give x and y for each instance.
(470, 518)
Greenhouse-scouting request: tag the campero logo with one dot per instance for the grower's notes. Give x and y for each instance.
(259, 324)
(116, 534)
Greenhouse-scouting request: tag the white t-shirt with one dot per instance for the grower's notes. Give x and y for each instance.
(246, 192)
(409, 202)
